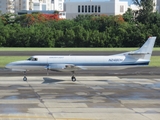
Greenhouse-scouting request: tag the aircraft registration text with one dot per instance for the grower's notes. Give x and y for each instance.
(115, 60)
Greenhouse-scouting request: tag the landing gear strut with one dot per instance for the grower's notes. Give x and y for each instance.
(24, 78)
(73, 78)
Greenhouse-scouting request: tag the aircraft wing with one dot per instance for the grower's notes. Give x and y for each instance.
(63, 67)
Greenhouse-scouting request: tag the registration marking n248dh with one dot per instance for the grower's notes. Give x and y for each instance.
(115, 60)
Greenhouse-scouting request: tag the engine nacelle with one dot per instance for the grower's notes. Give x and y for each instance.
(61, 67)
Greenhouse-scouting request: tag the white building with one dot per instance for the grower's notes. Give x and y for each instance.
(14, 6)
(112, 7)
(7, 6)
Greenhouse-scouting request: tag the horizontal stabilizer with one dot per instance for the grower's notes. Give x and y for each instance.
(138, 53)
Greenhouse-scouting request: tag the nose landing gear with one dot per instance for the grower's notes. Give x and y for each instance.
(24, 78)
(73, 78)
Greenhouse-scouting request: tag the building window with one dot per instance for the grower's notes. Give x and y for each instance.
(89, 8)
(85, 8)
(79, 8)
(82, 8)
(121, 8)
(92, 8)
(60, 6)
(44, 7)
(99, 9)
(96, 8)
(52, 1)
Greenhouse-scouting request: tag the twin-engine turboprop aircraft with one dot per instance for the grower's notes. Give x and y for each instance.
(140, 57)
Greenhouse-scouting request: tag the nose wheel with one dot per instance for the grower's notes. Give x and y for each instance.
(73, 78)
(24, 78)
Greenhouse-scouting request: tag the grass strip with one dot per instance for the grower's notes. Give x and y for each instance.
(155, 60)
(7, 59)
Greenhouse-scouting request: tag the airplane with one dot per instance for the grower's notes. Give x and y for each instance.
(137, 58)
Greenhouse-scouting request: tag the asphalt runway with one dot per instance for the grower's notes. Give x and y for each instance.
(90, 98)
(152, 71)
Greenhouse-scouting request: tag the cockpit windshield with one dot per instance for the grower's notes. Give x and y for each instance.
(32, 59)
(29, 59)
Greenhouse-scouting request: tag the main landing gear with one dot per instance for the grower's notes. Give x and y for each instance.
(24, 78)
(73, 78)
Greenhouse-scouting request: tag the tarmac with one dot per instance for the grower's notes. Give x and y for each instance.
(132, 97)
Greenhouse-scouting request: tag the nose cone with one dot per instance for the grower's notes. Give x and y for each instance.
(13, 65)
(9, 66)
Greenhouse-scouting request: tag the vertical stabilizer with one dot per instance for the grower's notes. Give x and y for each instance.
(147, 48)
(144, 52)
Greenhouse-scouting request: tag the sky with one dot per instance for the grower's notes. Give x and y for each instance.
(129, 1)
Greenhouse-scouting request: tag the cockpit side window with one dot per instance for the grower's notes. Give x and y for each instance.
(32, 59)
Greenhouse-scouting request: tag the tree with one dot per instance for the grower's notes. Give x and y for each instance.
(146, 8)
(56, 12)
(8, 18)
(129, 16)
(2, 37)
(31, 19)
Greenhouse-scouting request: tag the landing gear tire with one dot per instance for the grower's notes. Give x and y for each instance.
(73, 78)
(25, 79)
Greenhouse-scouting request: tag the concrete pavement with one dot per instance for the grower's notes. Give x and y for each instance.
(89, 98)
